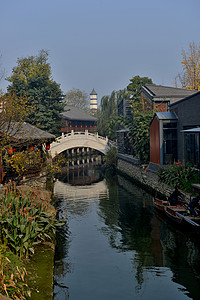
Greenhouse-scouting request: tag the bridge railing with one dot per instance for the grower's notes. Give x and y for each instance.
(79, 133)
(79, 140)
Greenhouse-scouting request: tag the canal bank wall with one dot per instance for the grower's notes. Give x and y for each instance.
(144, 176)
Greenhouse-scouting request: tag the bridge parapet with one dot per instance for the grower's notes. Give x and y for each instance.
(79, 134)
(77, 140)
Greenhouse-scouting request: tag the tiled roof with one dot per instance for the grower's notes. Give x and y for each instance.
(26, 131)
(74, 113)
(166, 91)
(185, 99)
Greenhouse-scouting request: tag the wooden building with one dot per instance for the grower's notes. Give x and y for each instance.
(76, 119)
(163, 138)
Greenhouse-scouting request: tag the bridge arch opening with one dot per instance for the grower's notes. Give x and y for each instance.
(81, 156)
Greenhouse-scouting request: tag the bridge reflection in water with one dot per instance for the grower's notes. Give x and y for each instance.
(82, 167)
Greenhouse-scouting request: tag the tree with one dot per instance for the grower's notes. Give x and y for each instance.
(34, 97)
(108, 119)
(32, 78)
(190, 78)
(139, 125)
(14, 110)
(134, 88)
(78, 98)
(108, 114)
(139, 135)
(12, 114)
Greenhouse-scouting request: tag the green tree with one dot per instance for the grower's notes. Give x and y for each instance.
(139, 126)
(108, 119)
(77, 98)
(108, 114)
(32, 78)
(134, 87)
(139, 135)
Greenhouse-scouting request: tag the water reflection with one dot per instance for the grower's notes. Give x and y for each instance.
(114, 246)
(82, 174)
(80, 197)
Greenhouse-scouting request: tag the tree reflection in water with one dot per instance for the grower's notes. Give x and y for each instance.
(129, 223)
(134, 226)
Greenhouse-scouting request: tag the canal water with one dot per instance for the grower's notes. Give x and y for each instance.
(114, 245)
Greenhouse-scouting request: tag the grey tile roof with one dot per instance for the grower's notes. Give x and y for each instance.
(169, 92)
(166, 115)
(185, 99)
(74, 113)
(25, 131)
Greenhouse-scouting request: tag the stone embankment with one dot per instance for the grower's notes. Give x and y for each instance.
(143, 175)
(4, 297)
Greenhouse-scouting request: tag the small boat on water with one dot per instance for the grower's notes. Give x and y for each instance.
(180, 215)
(177, 214)
(160, 204)
(171, 213)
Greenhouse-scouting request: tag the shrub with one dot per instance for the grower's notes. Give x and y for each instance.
(111, 161)
(24, 221)
(12, 275)
(180, 174)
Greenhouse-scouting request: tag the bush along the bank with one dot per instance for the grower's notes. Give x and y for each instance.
(24, 221)
(12, 275)
(111, 161)
(179, 173)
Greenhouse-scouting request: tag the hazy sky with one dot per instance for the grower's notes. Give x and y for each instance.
(100, 44)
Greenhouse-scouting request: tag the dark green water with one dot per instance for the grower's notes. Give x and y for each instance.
(114, 246)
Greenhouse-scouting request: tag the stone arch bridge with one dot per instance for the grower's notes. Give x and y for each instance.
(83, 139)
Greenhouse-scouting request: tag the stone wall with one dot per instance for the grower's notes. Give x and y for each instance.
(4, 297)
(147, 179)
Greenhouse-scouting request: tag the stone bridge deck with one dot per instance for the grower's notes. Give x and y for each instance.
(83, 139)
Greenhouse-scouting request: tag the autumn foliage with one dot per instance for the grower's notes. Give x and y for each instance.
(191, 67)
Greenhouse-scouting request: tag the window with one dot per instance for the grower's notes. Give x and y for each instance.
(169, 142)
(192, 148)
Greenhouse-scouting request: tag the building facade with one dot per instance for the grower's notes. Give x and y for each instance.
(76, 119)
(188, 113)
(175, 135)
(159, 97)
